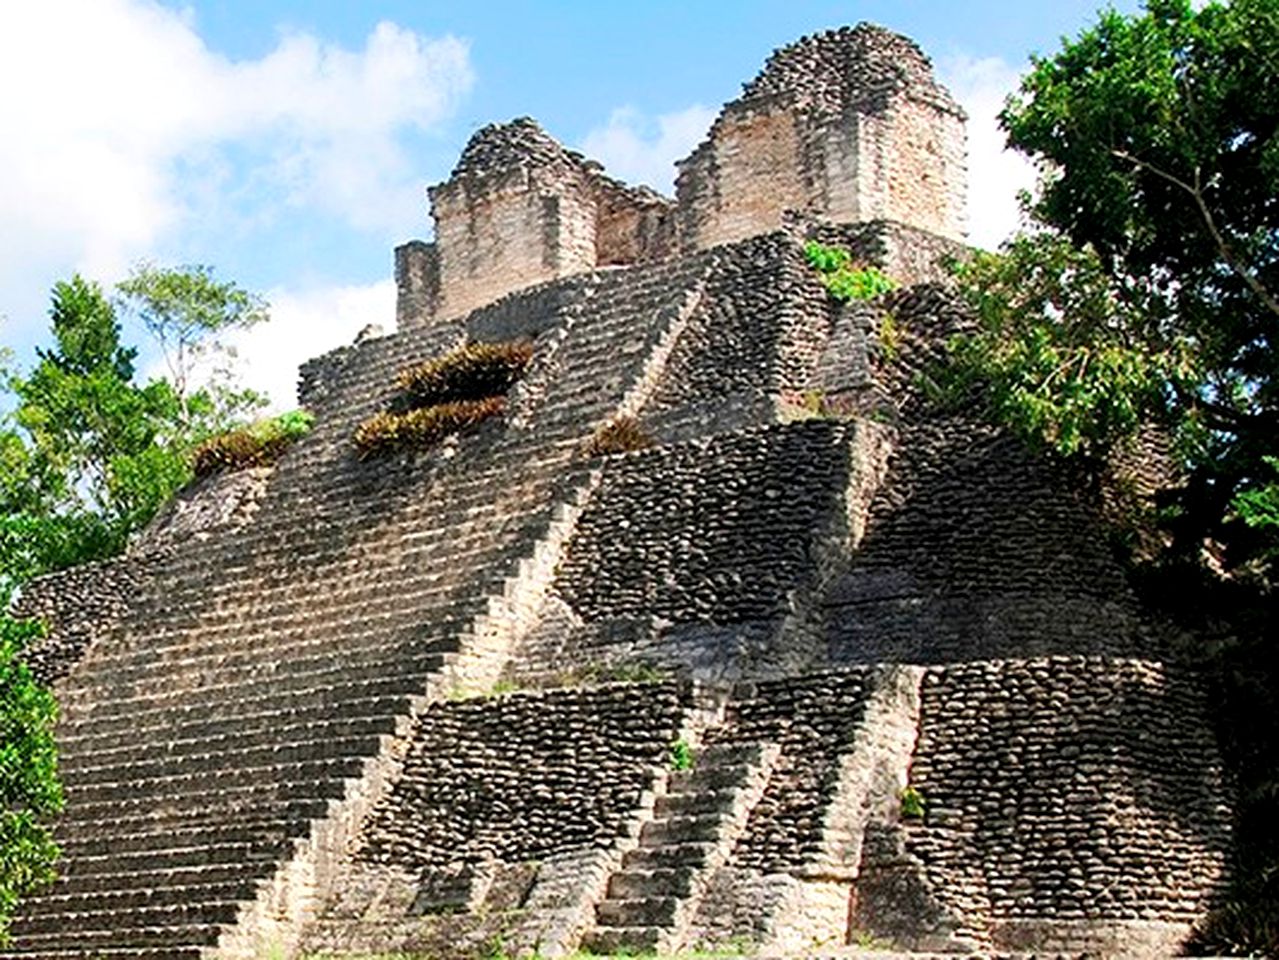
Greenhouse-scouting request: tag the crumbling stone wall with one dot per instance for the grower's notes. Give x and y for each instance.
(502, 801)
(77, 607)
(517, 210)
(814, 720)
(849, 125)
(721, 531)
(523, 776)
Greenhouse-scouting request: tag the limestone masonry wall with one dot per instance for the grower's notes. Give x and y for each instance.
(520, 209)
(849, 125)
(477, 782)
(720, 531)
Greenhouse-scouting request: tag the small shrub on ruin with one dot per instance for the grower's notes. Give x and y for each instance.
(423, 427)
(257, 444)
(890, 335)
(620, 435)
(843, 277)
(912, 804)
(681, 755)
(471, 372)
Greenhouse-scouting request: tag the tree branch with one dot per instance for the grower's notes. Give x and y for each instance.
(1196, 192)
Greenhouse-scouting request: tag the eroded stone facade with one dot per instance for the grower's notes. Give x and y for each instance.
(848, 126)
(517, 210)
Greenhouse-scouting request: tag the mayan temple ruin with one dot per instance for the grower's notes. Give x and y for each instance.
(807, 664)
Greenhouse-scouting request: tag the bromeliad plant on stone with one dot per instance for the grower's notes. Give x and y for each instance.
(475, 371)
(256, 445)
(444, 396)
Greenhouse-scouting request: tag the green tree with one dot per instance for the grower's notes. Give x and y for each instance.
(188, 312)
(1054, 353)
(95, 450)
(30, 793)
(1158, 211)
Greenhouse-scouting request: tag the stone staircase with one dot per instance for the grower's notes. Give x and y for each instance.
(695, 824)
(220, 745)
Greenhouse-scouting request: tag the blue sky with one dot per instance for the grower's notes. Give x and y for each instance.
(287, 143)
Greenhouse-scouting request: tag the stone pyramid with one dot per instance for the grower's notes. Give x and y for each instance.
(805, 664)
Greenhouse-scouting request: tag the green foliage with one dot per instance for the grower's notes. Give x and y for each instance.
(1259, 506)
(681, 755)
(621, 672)
(188, 311)
(890, 335)
(259, 443)
(912, 803)
(471, 372)
(88, 453)
(815, 404)
(844, 279)
(30, 793)
(1150, 292)
(1059, 353)
(619, 435)
(424, 426)
(1159, 137)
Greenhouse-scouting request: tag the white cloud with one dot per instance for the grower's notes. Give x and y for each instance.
(639, 149)
(995, 174)
(121, 125)
(305, 324)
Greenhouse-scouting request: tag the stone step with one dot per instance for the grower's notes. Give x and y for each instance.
(693, 803)
(227, 736)
(199, 785)
(705, 778)
(268, 675)
(639, 912)
(506, 492)
(199, 875)
(206, 613)
(231, 698)
(622, 941)
(174, 807)
(262, 814)
(635, 884)
(179, 836)
(183, 721)
(136, 870)
(115, 900)
(109, 953)
(720, 753)
(310, 654)
(426, 552)
(90, 944)
(679, 830)
(365, 622)
(77, 776)
(73, 924)
(672, 856)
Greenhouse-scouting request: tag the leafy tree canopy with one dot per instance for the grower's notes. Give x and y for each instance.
(187, 311)
(1148, 288)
